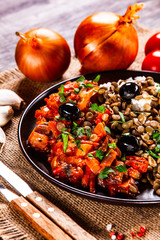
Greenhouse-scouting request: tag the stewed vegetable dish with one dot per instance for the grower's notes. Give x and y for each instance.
(102, 136)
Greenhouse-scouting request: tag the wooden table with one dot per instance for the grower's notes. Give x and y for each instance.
(63, 16)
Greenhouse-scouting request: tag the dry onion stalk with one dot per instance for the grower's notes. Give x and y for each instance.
(107, 41)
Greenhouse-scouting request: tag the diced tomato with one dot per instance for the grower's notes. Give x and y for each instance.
(53, 128)
(53, 102)
(57, 148)
(38, 141)
(134, 173)
(85, 179)
(83, 150)
(99, 130)
(85, 97)
(139, 163)
(93, 164)
(108, 160)
(70, 85)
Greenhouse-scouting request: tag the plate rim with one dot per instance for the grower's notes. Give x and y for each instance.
(64, 186)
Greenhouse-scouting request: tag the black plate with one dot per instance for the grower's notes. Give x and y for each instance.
(27, 123)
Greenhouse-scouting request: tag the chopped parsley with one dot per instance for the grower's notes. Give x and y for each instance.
(122, 116)
(78, 143)
(121, 168)
(88, 133)
(99, 154)
(97, 108)
(112, 145)
(90, 155)
(81, 79)
(61, 94)
(107, 129)
(71, 101)
(123, 158)
(90, 85)
(151, 153)
(76, 90)
(104, 174)
(80, 132)
(156, 136)
(59, 118)
(65, 142)
(97, 78)
(157, 148)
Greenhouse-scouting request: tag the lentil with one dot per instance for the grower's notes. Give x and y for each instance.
(89, 116)
(152, 162)
(60, 126)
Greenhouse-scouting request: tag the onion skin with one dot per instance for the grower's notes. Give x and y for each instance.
(42, 55)
(107, 41)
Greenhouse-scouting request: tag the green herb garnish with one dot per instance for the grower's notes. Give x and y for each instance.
(108, 152)
(123, 158)
(156, 136)
(104, 174)
(78, 143)
(88, 133)
(80, 132)
(90, 155)
(116, 121)
(121, 168)
(81, 79)
(97, 108)
(89, 85)
(107, 129)
(76, 90)
(151, 153)
(97, 78)
(122, 116)
(112, 145)
(59, 118)
(65, 142)
(99, 154)
(61, 94)
(71, 101)
(157, 148)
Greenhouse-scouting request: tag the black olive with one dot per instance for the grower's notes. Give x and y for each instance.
(129, 90)
(128, 144)
(69, 111)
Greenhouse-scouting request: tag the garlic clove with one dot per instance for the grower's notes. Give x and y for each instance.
(8, 97)
(2, 139)
(6, 113)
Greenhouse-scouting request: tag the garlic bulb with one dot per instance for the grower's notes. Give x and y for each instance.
(6, 113)
(8, 97)
(2, 139)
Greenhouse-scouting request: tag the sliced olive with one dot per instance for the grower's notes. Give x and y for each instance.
(69, 111)
(128, 144)
(129, 90)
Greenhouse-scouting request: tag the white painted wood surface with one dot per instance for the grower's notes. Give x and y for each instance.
(63, 16)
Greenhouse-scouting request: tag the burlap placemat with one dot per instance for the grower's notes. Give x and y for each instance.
(91, 215)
